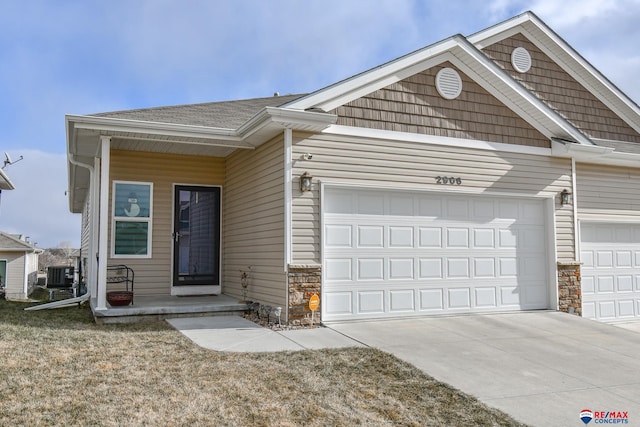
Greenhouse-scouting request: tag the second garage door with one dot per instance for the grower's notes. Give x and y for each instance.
(393, 253)
(610, 255)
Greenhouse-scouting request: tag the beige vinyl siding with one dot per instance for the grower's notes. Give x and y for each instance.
(561, 92)
(409, 165)
(414, 105)
(608, 191)
(153, 275)
(254, 223)
(15, 274)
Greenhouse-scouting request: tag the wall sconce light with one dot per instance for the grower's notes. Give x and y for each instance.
(565, 198)
(305, 182)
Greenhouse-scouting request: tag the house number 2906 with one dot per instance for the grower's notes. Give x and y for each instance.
(448, 180)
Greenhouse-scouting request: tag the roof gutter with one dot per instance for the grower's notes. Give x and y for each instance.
(5, 182)
(593, 154)
(109, 124)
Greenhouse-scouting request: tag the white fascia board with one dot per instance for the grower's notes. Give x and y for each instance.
(389, 135)
(151, 128)
(357, 86)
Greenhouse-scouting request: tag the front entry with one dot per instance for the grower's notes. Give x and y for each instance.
(196, 240)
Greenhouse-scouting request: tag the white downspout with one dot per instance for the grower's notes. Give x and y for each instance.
(288, 197)
(288, 200)
(103, 221)
(25, 274)
(576, 228)
(94, 233)
(91, 286)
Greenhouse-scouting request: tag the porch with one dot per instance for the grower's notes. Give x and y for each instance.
(145, 308)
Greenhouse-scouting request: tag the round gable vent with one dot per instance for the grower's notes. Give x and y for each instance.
(448, 83)
(521, 59)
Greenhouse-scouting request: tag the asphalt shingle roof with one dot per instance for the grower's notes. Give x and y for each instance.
(225, 114)
(8, 242)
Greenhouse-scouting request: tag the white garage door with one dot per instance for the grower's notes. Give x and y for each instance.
(394, 253)
(610, 255)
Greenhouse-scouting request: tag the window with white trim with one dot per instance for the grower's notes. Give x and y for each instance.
(132, 206)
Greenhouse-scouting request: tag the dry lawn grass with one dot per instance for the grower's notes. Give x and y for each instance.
(59, 368)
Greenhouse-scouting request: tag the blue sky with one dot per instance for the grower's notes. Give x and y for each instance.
(81, 57)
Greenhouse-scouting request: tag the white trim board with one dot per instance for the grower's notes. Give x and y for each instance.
(435, 140)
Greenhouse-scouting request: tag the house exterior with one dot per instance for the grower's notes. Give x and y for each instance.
(18, 267)
(495, 172)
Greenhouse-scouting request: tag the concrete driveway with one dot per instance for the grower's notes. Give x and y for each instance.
(542, 367)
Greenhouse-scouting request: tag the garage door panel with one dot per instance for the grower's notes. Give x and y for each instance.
(457, 268)
(407, 254)
(459, 298)
(457, 209)
(402, 300)
(589, 309)
(370, 205)
(371, 302)
(371, 269)
(370, 236)
(486, 297)
(401, 205)
(338, 236)
(484, 238)
(430, 268)
(510, 296)
(429, 207)
(401, 269)
(607, 309)
(610, 271)
(624, 259)
(535, 296)
(604, 284)
(457, 238)
(626, 308)
(337, 269)
(484, 267)
(431, 299)
(401, 237)
(624, 283)
(338, 303)
(430, 237)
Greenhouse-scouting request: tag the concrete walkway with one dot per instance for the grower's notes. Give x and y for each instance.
(543, 367)
(237, 334)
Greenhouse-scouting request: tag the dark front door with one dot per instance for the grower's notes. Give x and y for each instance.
(196, 236)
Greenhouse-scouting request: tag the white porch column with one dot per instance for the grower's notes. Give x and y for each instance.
(94, 207)
(103, 222)
(288, 198)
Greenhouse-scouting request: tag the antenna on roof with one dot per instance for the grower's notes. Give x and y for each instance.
(8, 161)
(276, 93)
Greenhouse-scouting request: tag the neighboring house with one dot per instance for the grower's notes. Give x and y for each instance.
(18, 266)
(493, 172)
